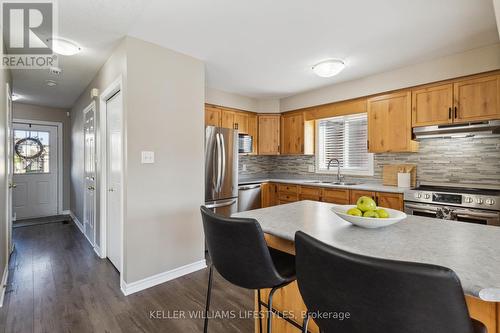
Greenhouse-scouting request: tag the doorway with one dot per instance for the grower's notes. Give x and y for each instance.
(89, 201)
(36, 168)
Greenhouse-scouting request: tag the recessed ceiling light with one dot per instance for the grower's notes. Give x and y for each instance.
(64, 46)
(51, 83)
(55, 70)
(329, 68)
(15, 97)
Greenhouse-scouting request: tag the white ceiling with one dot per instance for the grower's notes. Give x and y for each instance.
(265, 49)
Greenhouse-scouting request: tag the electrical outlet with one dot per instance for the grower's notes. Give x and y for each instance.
(147, 157)
(244, 167)
(310, 168)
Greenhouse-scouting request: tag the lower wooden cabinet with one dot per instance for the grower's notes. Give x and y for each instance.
(277, 194)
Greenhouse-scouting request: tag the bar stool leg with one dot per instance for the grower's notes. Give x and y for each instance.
(270, 305)
(209, 293)
(260, 311)
(306, 323)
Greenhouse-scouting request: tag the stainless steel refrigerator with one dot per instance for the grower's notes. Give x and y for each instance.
(221, 170)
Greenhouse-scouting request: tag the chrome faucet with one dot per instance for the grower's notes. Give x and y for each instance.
(339, 176)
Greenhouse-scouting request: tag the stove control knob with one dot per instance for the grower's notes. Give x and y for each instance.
(418, 195)
(468, 200)
(479, 201)
(490, 202)
(427, 196)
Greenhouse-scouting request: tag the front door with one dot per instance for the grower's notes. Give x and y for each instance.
(35, 171)
(10, 168)
(114, 162)
(89, 173)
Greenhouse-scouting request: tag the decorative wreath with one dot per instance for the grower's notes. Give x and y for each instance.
(19, 150)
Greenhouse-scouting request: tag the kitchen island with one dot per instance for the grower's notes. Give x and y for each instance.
(472, 251)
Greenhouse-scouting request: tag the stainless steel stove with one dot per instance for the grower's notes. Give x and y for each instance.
(475, 205)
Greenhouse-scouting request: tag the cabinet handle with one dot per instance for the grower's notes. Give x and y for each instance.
(235, 126)
(456, 112)
(449, 113)
(368, 144)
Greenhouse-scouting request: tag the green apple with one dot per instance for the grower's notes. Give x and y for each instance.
(355, 212)
(382, 213)
(371, 213)
(365, 204)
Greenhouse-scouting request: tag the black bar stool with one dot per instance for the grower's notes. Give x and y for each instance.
(380, 295)
(240, 254)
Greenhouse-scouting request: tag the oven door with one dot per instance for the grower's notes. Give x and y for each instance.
(477, 216)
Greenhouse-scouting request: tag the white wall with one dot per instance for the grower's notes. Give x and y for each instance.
(496, 6)
(466, 63)
(232, 100)
(44, 113)
(166, 95)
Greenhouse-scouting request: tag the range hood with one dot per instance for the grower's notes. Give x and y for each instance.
(475, 129)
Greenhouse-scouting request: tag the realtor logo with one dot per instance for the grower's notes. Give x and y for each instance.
(27, 32)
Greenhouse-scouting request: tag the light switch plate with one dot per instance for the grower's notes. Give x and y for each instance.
(310, 168)
(244, 167)
(147, 157)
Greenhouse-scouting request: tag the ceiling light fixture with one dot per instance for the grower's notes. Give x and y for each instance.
(64, 46)
(328, 68)
(15, 97)
(51, 83)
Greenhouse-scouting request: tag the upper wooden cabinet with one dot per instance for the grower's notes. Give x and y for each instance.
(269, 134)
(227, 119)
(252, 130)
(212, 116)
(389, 123)
(297, 135)
(477, 99)
(240, 122)
(432, 105)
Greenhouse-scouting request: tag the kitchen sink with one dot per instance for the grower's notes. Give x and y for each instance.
(333, 183)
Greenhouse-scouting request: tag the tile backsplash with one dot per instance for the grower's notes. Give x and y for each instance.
(457, 160)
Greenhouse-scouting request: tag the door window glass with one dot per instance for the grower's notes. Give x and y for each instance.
(31, 152)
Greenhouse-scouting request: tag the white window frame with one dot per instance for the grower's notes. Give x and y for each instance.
(333, 169)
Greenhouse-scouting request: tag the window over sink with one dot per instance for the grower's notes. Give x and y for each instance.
(344, 138)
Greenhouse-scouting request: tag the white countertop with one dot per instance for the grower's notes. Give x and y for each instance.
(376, 187)
(472, 251)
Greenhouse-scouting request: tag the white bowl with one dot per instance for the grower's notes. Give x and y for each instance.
(369, 222)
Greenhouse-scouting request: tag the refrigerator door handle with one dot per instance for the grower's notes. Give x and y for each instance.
(223, 173)
(219, 162)
(221, 204)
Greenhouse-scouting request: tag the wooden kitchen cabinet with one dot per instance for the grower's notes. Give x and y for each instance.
(338, 196)
(269, 134)
(240, 122)
(432, 105)
(212, 116)
(477, 99)
(310, 193)
(390, 200)
(297, 135)
(355, 194)
(227, 119)
(269, 195)
(389, 123)
(253, 131)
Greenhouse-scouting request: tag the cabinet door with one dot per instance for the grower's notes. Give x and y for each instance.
(477, 99)
(227, 119)
(338, 196)
(253, 131)
(355, 194)
(240, 122)
(390, 200)
(432, 105)
(269, 134)
(292, 134)
(389, 123)
(212, 116)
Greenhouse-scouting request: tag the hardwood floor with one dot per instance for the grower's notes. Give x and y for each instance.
(58, 284)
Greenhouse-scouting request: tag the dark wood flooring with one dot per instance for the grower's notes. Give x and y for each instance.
(58, 284)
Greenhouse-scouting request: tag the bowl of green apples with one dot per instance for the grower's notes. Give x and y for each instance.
(367, 214)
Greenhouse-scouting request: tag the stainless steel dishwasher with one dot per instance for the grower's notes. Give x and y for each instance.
(248, 197)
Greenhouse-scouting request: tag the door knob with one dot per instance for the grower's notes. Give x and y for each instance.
(91, 188)
(111, 190)
(12, 185)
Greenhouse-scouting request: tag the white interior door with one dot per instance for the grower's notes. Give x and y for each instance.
(89, 180)
(10, 168)
(35, 176)
(114, 163)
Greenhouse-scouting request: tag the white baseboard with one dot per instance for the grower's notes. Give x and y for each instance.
(5, 276)
(98, 251)
(77, 222)
(133, 287)
(65, 212)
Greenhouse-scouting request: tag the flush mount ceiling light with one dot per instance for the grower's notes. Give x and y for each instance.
(328, 68)
(15, 97)
(51, 83)
(64, 47)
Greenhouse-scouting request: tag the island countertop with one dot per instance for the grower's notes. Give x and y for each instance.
(472, 251)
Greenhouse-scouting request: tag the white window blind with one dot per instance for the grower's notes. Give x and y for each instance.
(344, 138)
